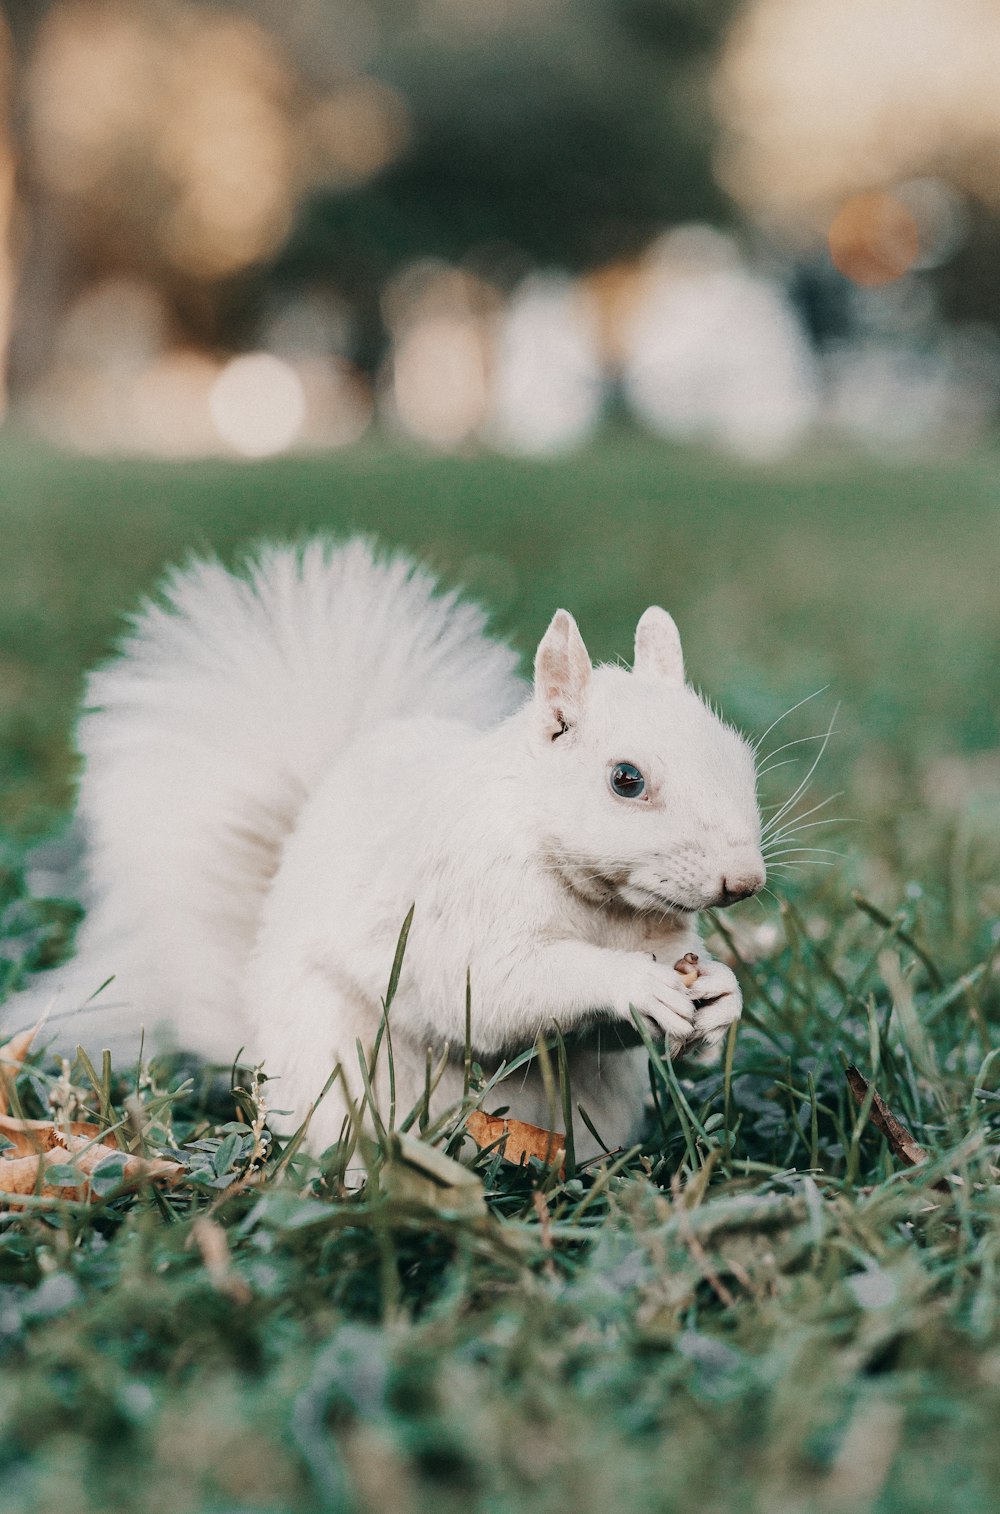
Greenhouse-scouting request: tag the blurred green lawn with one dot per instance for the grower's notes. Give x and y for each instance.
(877, 580)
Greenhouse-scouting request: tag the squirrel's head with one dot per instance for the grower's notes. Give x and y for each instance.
(649, 799)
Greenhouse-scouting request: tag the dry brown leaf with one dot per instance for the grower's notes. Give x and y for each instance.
(12, 1055)
(901, 1142)
(87, 1155)
(37, 1145)
(29, 1137)
(520, 1140)
(26, 1174)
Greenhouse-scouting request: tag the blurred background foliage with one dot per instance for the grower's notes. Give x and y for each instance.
(224, 153)
(740, 221)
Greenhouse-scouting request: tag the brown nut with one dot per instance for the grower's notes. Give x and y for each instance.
(688, 968)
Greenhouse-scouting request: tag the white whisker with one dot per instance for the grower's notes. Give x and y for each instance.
(810, 825)
(799, 741)
(804, 851)
(803, 786)
(790, 711)
(804, 814)
(799, 862)
(763, 772)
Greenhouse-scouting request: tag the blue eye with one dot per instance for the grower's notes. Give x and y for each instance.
(626, 781)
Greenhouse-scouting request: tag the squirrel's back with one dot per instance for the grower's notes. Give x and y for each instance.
(201, 741)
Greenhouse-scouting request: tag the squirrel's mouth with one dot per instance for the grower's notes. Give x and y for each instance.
(615, 889)
(646, 901)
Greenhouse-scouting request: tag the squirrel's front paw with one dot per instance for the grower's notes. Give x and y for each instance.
(658, 994)
(718, 1001)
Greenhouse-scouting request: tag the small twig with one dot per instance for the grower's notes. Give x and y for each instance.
(901, 1142)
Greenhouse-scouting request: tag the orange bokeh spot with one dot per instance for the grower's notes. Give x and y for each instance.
(873, 239)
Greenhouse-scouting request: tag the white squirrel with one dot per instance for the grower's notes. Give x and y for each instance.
(279, 764)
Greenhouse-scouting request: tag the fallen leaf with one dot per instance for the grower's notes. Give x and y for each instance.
(520, 1141)
(901, 1142)
(41, 1149)
(12, 1055)
(28, 1174)
(29, 1137)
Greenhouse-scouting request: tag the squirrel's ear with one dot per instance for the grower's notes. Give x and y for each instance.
(658, 647)
(562, 675)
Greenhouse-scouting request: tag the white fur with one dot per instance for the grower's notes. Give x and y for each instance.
(278, 765)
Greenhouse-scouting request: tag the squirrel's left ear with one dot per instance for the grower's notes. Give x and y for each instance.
(562, 675)
(658, 647)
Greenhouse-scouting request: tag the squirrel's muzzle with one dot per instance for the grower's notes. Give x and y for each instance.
(736, 886)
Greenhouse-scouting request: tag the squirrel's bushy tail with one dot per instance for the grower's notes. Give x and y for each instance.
(203, 738)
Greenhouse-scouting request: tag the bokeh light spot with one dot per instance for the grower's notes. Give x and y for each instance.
(873, 239)
(358, 130)
(258, 404)
(440, 379)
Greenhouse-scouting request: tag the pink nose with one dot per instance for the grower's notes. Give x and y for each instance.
(741, 886)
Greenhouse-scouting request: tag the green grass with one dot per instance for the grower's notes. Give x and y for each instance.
(761, 1310)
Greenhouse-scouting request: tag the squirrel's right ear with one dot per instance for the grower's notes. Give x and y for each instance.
(658, 647)
(562, 675)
